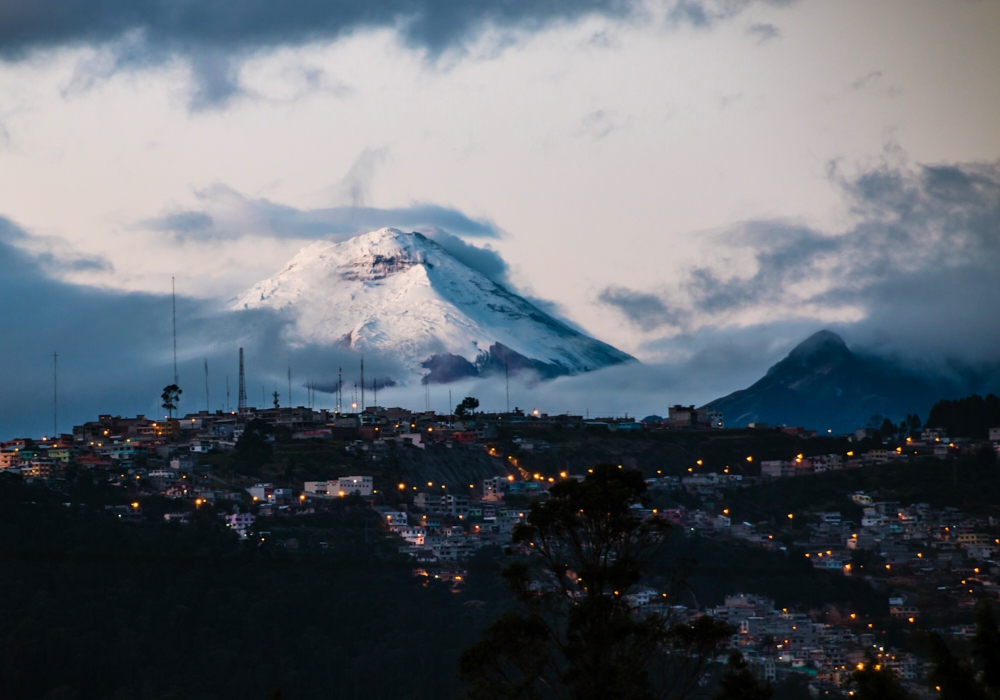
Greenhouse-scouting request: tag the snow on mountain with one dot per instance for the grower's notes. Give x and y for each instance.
(403, 295)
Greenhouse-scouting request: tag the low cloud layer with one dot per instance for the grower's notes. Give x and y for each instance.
(915, 274)
(215, 37)
(226, 214)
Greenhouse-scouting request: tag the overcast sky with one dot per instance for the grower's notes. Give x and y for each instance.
(693, 182)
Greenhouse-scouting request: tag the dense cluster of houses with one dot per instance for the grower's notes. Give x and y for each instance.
(828, 650)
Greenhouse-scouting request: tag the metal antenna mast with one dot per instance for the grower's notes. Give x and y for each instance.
(375, 390)
(241, 401)
(208, 404)
(506, 378)
(289, 383)
(55, 395)
(362, 383)
(340, 389)
(228, 408)
(173, 304)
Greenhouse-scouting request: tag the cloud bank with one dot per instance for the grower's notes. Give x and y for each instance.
(215, 37)
(914, 274)
(228, 215)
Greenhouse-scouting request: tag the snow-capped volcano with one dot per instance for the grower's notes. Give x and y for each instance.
(403, 295)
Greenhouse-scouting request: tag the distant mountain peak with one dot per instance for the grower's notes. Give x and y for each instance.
(823, 385)
(820, 343)
(406, 297)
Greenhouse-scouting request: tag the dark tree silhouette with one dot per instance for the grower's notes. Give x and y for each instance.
(467, 406)
(576, 635)
(253, 449)
(739, 683)
(874, 681)
(171, 396)
(977, 678)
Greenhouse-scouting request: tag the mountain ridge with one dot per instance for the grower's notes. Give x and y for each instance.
(403, 295)
(824, 385)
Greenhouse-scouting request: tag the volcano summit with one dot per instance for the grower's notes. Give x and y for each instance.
(403, 296)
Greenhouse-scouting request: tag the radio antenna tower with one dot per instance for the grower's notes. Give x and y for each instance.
(289, 383)
(375, 390)
(427, 392)
(208, 404)
(173, 305)
(506, 379)
(55, 395)
(228, 406)
(241, 401)
(362, 383)
(340, 389)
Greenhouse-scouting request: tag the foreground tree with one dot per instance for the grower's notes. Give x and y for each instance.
(577, 635)
(739, 682)
(874, 681)
(972, 679)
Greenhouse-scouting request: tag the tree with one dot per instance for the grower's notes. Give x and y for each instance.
(970, 417)
(887, 430)
(953, 678)
(913, 420)
(986, 646)
(874, 681)
(739, 683)
(253, 449)
(468, 405)
(171, 396)
(976, 678)
(576, 635)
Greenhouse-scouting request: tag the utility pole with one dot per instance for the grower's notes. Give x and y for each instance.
(241, 401)
(506, 379)
(55, 395)
(173, 305)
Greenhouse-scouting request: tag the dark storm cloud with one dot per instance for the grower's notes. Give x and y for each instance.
(115, 349)
(648, 311)
(921, 263)
(228, 215)
(214, 37)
